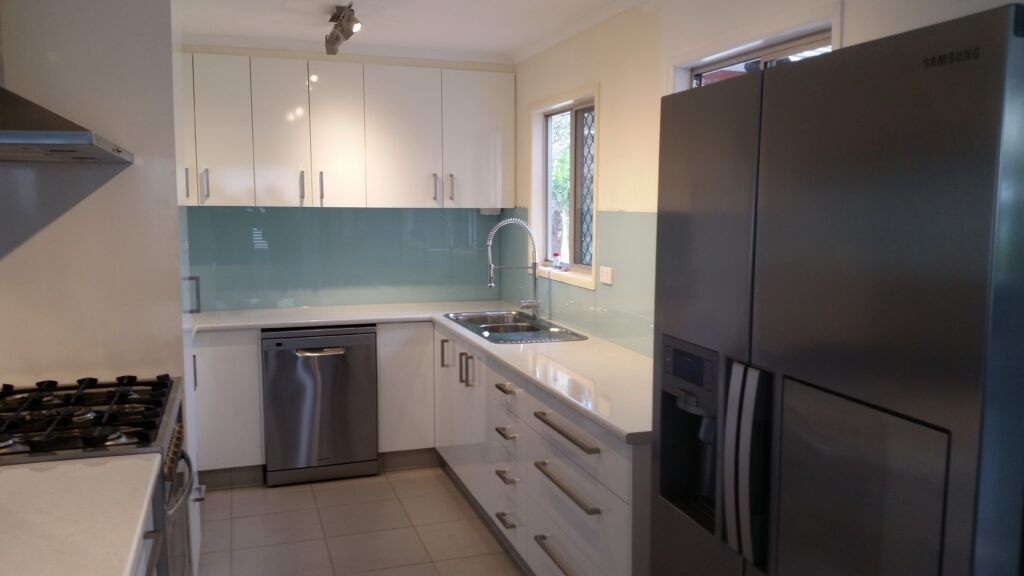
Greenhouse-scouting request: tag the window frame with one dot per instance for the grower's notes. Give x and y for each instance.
(575, 108)
(765, 56)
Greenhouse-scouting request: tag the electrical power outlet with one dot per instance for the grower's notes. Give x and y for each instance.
(606, 275)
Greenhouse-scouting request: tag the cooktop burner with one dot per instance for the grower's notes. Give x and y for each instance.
(89, 415)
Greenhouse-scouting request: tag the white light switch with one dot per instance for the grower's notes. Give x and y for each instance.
(606, 275)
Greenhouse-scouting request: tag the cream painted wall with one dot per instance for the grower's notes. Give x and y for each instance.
(620, 59)
(90, 284)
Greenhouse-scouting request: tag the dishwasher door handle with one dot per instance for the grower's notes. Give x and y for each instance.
(317, 352)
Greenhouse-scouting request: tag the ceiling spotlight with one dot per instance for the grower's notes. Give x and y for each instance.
(345, 25)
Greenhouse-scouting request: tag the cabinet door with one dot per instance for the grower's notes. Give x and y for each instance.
(338, 134)
(479, 137)
(405, 385)
(223, 130)
(227, 392)
(445, 381)
(185, 131)
(280, 130)
(403, 137)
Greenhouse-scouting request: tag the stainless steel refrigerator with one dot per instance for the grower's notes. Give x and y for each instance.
(840, 313)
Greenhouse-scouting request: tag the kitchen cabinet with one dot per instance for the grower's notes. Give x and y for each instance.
(479, 138)
(461, 400)
(223, 124)
(280, 132)
(405, 386)
(185, 131)
(337, 134)
(403, 137)
(227, 394)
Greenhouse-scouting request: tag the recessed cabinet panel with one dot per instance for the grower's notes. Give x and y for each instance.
(337, 133)
(280, 124)
(479, 139)
(403, 137)
(862, 490)
(223, 130)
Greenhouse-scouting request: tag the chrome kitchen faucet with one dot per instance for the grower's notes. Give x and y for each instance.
(534, 304)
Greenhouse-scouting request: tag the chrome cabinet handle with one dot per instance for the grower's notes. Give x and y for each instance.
(578, 499)
(505, 477)
(198, 304)
(317, 352)
(556, 557)
(581, 443)
(187, 187)
(436, 178)
(470, 381)
(506, 388)
(462, 368)
(321, 188)
(444, 363)
(157, 537)
(451, 181)
(505, 522)
(506, 432)
(302, 187)
(205, 190)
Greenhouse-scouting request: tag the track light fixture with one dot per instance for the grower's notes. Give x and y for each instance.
(345, 25)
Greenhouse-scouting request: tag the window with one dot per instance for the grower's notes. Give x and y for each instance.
(793, 51)
(569, 160)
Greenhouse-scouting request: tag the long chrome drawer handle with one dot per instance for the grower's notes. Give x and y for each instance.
(506, 388)
(505, 522)
(556, 557)
(577, 498)
(569, 435)
(506, 433)
(504, 476)
(312, 353)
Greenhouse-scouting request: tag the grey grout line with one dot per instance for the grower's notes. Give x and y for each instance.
(330, 559)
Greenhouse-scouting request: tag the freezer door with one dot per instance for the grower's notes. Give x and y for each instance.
(320, 401)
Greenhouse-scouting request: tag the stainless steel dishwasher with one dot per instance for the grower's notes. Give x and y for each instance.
(319, 403)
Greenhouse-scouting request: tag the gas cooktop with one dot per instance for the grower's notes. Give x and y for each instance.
(53, 421)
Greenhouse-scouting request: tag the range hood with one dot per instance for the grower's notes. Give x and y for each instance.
(31, 133)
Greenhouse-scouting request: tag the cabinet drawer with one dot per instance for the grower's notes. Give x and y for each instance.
(592, 516)
(550, 552)
(585, 443)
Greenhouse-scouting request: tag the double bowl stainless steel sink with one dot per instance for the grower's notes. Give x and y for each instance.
(512, 327)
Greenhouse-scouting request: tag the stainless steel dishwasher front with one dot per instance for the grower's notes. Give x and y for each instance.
(319, 403)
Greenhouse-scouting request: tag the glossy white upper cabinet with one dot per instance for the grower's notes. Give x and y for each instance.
(403, 137)
(280, 130)
(479, 139)
(223, 130)
(337, 133)
(185, 131)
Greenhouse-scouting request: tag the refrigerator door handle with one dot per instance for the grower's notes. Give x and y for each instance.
(737, 376)
(753, 389)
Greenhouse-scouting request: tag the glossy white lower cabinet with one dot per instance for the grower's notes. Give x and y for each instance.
(405, 386)
(227, 393)
(545, 483)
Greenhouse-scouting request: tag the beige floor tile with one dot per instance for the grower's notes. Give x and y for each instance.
(259, 500)
(363, 517)
(215, 564)
(457, 539)
(491, 565)
(437, 507)
(216, 505)
(419, 482)
(293, 526)
(352, 490)
(417, 570)
(216, 536)
(292, 559)
(376, 550)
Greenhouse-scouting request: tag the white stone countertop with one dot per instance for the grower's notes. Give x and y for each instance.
(82, 517)
(608, 383)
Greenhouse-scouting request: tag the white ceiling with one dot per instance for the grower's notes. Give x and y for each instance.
(499, 31)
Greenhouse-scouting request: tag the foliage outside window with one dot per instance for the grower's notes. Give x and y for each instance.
(570, 136)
